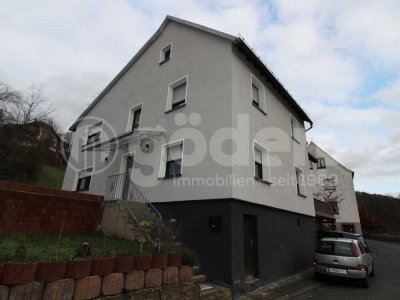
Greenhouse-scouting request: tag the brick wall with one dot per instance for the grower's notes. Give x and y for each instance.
(26, 209)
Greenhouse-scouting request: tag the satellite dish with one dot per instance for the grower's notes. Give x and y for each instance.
(147, 145)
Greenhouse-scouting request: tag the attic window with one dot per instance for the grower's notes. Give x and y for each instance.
(165, 54)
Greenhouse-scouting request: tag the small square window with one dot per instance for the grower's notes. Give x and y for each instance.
(165, 54)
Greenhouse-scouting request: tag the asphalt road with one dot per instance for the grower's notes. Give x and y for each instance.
(385, 285)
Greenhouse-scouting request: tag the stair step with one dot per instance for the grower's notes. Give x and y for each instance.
(199, 279)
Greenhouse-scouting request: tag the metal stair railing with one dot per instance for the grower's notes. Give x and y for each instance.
(121, 187)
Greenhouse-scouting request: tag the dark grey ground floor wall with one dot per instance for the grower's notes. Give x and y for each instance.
(285, 240)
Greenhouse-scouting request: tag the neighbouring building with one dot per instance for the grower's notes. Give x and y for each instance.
(212, 139)
(334, 185)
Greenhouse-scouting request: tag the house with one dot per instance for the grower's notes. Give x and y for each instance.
(212, 139)
(334, 184)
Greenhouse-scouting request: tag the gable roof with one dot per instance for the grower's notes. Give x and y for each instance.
(242, 45)
(312, 144)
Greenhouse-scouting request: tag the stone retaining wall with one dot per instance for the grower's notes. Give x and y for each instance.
(168, 283)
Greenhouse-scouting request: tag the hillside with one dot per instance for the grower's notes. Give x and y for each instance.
(379, 210)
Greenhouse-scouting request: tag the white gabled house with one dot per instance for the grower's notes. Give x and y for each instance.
(211, 138)
(334, 183)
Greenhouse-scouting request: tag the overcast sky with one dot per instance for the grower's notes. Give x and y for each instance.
(339, 59)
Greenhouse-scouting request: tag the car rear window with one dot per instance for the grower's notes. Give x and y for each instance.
(335, 248)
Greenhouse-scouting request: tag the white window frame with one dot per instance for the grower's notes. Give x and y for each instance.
(76, 179)
(170, 95)
(95, 124)
(162, 53)
(265, 162)
(132, 111)
(301, 189)
(164, 154)
(295, 131)
(261, 93)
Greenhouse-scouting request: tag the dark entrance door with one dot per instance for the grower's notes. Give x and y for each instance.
(127, 179)
(250, 247)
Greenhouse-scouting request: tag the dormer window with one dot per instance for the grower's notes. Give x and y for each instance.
(165, 54)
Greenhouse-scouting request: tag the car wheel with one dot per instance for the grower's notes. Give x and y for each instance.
(365, 282)
(372, 272)
(317, 276)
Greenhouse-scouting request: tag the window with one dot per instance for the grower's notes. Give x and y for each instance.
(136, 119)
(258, 94)
(165, 54)
(348, 228)
(335, 248)
(321, 163)
(335, 207)
(84, 177)
(258, 163)
(300, 182)
(93, 133)
(177, 94)
(171, 160)
(261, 163)
(294, 125)
(256, 97)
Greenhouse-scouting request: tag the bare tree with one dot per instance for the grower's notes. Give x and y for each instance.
(328, 193)
(8, 97)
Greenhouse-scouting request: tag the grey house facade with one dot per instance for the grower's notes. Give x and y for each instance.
(212, 139)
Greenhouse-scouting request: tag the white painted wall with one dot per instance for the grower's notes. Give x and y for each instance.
(219, 90)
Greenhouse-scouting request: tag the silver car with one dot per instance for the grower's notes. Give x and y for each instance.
(343, 257)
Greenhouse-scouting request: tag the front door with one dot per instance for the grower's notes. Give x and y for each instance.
(128, 177)
(250, 247)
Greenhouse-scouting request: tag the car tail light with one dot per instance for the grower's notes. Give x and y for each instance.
(356, 249)
(362, 268)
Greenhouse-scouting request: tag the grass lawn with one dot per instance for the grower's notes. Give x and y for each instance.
(42, 248)
(48, 177)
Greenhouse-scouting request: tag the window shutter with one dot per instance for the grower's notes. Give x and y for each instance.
(257, 155)
(179, 93)
(95, 129)
(256, 97)
(174, 152)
